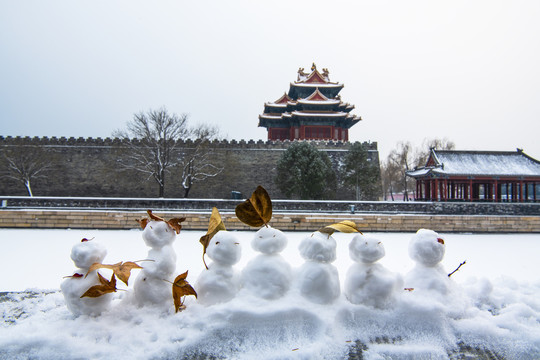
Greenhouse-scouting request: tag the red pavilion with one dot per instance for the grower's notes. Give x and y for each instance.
(312, 110)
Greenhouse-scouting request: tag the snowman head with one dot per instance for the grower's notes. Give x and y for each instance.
(157, 234)
(426, 247)
(85, 253)
(269, 241)
(318, 247)
(365, 249)
(224, 249)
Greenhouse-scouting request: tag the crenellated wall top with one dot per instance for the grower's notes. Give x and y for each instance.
(114, 142)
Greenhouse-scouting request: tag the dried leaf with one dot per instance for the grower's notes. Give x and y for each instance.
(257, 210)
(122, 269)
(345, 226)
(143, 222)
(174, 223)
(214, 225)
(154, 217)
(105, 287)
(181, 288)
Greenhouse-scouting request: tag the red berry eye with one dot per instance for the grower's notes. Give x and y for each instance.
(440, 241)
(84, 240)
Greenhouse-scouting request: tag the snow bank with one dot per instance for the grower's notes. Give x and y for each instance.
(494, 307)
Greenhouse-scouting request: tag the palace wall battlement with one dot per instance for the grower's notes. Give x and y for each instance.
(90, 167)
(250, 144)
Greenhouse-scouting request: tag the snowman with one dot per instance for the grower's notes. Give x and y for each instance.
(367, 282)
(151, 285)
(318, 279)
(220, 282)
(427, 249)
(268, 275)
(84, 254)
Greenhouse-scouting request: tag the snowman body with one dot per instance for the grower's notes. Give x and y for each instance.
(151, 286)
(367, 282)
(84, 254)
(427, 250)
(268, 275)
(318, 279)
(220, 283)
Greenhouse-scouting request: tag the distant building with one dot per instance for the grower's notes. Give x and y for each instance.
(478, 176)
(312, 110)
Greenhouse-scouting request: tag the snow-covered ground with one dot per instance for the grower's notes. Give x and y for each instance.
(495, 306)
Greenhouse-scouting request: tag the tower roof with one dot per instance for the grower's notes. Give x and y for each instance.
(312, 109)
(318, 97)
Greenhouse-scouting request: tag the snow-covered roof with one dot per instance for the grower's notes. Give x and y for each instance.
(319, 102)
(479, 163)
(272, 104)
(266, 116)
(319, 85)
(333, 114)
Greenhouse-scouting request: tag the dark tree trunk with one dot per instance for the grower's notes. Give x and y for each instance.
(186, 192)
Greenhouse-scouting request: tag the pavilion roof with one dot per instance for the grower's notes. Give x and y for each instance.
(318, 97)
(478, 163)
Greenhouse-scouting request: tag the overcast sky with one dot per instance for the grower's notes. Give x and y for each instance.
(465, 70)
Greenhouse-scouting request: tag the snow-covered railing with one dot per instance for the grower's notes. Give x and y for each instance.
(323, 206)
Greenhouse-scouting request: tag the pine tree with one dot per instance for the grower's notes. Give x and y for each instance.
(306, 173)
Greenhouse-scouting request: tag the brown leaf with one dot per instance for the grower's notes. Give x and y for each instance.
(143, 222)
(345, 226)
(105, 287)
(122, 269)
(257, 210)
(154, 217)
(214, 225)
(181, 288)
(175, 224)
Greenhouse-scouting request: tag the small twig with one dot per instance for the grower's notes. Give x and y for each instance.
(460, 265)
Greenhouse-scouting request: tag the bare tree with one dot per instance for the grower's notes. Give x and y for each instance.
(156, 134)
(197, 162)
(25, 164)
(423, 153)
(390, 179)
(401, 160)
(404, 158)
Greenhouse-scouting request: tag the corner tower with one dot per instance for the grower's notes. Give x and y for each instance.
(312, 110)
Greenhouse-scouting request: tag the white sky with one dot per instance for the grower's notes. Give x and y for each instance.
(465, 70)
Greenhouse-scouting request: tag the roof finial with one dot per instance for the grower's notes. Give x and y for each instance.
(325, 72)
(313, 67)
(301, 73)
